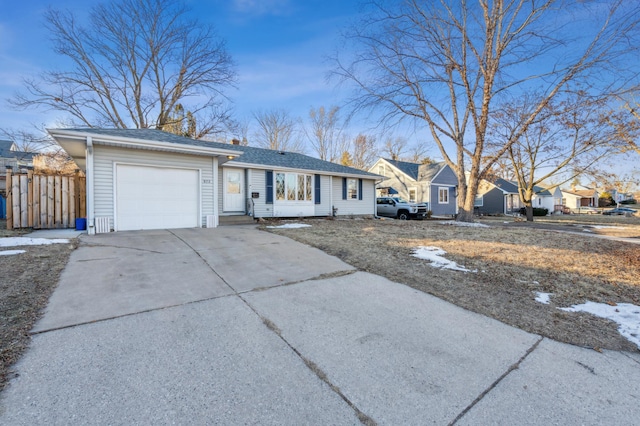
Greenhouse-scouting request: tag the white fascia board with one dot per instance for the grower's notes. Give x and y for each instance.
(238, 164)
(129, 142)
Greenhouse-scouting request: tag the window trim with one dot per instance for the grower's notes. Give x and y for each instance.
(295, 178)
(441, 190)
(353, 193)
(415, 198)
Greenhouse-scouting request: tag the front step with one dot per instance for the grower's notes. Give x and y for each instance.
(235, 220)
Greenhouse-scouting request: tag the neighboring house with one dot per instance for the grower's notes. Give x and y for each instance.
(619, 196)
(500, 196)
(497, 196)
(576, 198)
(149, 179)
(434, 184)
(9, 157)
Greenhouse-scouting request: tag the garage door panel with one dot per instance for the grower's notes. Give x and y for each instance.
(156, 197)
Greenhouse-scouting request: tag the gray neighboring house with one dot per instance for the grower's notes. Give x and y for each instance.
(434, 184)
(149, 179)
(500, 196)
(12, 158)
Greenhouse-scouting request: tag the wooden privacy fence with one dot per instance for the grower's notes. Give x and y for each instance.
(44, 201)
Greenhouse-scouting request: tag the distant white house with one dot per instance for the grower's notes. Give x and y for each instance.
(575, 198)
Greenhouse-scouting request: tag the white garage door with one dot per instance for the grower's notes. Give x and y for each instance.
(156, 198)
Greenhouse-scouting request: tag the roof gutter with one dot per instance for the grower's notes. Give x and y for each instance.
(143, 143)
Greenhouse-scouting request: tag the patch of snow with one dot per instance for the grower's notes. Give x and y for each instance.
(626, 315)
(535, 282)
(467, 224)
(434, 255)
(27, 241)
(605, 227)
(587, 230)
(290, 226)
(543, 297)
(10, 252)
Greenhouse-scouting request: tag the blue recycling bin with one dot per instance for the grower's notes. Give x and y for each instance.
(81, 224)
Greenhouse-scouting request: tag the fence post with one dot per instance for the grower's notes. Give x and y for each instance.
(29, 197)
(9, 199)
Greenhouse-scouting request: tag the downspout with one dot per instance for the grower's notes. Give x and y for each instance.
(91, 230)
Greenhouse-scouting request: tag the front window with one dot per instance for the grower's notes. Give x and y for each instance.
(443, 195)
(381, 169)
(412, 195)
(294, 187)
(352, 189)
(279, 186)
(479, 201)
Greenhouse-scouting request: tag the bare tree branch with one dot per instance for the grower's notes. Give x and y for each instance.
(448, 65)
(133, 63)
(277, 130)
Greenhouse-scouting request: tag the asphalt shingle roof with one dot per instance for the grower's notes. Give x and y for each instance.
(250, 155)
(410, 169)
(423, 172)
(5, 151)
(512, 187)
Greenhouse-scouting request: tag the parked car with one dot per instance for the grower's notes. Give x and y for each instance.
(620, 211)
(399, 208)
(586, 210)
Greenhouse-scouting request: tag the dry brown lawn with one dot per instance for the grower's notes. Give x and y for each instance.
(26, 282)
(514, 260)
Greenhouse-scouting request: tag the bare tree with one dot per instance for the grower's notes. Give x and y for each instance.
(29, 141)
(395, 147)
(631, 142)
(277, 130)
(569, 138)
(364, 151)
(325, 133)
(133, 63)
(444, 65)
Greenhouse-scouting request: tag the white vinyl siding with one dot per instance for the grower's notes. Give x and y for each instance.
(366, 206)
(258, 184)
(324, 208)
(106, 156)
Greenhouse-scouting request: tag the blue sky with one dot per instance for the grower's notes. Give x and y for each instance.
(279, 47)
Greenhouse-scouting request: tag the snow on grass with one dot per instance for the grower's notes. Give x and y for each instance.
(625, 314)
(467, 224)
(27, 241)
(605, 227)
(290, 226)
(434, 255)
(10, 252)
(543, 297)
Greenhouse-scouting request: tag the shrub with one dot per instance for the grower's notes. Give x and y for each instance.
(629, 201)
(605, 201)
(537, 211)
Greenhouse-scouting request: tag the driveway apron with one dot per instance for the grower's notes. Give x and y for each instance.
(238, 326)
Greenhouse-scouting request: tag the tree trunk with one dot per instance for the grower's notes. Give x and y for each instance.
(529, 210)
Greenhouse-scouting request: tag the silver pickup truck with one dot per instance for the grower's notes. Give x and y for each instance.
(399, 208)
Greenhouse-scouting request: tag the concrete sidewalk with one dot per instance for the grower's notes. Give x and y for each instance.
(235, 326)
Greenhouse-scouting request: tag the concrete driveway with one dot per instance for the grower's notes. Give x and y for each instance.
(237, 326)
